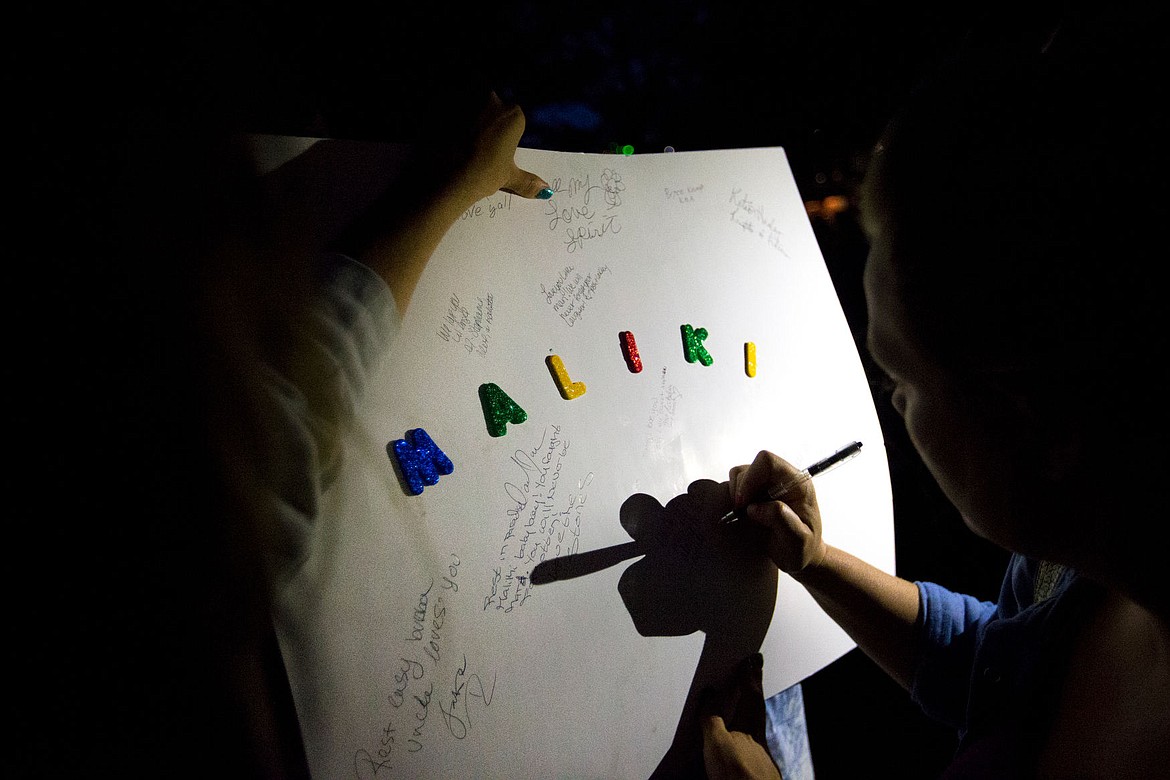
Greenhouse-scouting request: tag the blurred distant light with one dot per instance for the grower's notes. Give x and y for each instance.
(627, 150)
(834, 204)
(828, 208)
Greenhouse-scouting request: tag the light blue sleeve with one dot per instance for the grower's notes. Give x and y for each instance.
(950, 626)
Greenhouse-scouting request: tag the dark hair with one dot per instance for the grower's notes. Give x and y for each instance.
(1024, 197)
(1027, 204)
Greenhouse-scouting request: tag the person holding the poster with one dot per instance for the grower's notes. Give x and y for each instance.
(364, 285)
(1007, 302)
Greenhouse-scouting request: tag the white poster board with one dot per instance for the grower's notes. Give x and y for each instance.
(432, 655)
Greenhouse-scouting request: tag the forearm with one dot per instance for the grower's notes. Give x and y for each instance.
(399, 235)
(878, 610)
(401, 248)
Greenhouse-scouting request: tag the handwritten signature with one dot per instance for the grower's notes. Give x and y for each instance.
(467, 687)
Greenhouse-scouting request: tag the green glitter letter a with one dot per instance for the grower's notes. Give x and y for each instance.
(499, 409)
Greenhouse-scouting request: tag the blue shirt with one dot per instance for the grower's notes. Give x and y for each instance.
(993, 670)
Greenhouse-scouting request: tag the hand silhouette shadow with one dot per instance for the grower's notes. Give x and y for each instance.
(699, 576)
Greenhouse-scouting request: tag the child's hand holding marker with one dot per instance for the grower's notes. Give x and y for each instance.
(775, 494)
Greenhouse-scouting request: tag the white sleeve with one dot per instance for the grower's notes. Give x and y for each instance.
(311, 397)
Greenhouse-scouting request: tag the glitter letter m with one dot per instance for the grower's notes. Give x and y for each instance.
(420, 461)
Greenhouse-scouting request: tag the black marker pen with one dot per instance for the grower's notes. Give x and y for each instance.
(776, 493)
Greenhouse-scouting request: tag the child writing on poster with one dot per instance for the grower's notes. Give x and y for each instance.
(1008, 302)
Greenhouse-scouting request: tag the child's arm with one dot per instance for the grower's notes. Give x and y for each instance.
(878, 610)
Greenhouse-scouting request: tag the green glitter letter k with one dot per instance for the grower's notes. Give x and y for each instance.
(499, 409)
(693, 348)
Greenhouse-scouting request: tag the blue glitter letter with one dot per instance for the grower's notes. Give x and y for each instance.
(420, 461)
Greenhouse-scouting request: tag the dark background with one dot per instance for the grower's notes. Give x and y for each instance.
(91, 88)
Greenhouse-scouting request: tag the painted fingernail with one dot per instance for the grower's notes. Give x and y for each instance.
(545, 194)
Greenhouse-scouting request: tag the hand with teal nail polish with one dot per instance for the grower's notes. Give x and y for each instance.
(492, 164)
(397, 237)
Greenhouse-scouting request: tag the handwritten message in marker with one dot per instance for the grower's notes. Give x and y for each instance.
(682, 194)
(586, 211)
(544, 508)
(435, 694)
(489, 207)
(571, 291)
(753, 217)
(467, 323)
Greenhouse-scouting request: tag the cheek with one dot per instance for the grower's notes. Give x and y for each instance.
(968, 453)
(950, 447)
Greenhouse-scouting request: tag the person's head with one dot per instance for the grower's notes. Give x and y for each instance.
(1010, 292)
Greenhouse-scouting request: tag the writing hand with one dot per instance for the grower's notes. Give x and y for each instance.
(794, 523)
